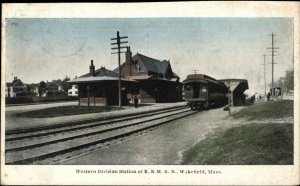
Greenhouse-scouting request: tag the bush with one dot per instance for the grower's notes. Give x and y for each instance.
(34, 99)
(250, 101)
(18, 100)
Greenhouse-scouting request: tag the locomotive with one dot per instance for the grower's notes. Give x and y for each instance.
(202, 92)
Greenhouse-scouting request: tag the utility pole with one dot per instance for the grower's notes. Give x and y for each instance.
(265, 73)
(195, 71)
(259, 76)
(273, 51)
(118, 43)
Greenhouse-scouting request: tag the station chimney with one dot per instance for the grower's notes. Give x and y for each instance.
(128, 54)
(92, 69)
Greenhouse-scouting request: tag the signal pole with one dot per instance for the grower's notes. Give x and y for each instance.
(118, 43)
(265, 73)
(273, 50)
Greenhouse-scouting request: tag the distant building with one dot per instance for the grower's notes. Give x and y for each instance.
(33, 89)
(73, 91)
(155, 79)
(9, 90)
(54, 88)
(16, 88)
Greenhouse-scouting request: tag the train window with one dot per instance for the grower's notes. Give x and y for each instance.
(188, 87)
(204, 89)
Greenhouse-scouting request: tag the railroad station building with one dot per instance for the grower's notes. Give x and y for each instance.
(100, 87)
(156, 81)
(237, 88)
(151, 80)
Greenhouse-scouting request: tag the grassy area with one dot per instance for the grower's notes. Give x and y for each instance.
(64, 111)
(252, 144)
(264, 110)
(256, 144)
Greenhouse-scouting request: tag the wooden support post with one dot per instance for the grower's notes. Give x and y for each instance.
(88, 95)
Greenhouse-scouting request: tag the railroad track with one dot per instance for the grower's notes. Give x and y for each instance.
(52, 145)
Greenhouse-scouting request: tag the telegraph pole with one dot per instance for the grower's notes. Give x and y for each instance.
(273, 51)
(195, 71)
(118, 43)
(259, 75)
(265, 73)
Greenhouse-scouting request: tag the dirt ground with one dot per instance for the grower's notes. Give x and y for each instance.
(163, 146)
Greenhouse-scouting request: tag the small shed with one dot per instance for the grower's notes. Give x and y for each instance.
(237, 88)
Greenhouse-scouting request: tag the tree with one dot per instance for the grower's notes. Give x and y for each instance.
(289, 80)
(65, 84)
(286, 83)
(42, 88)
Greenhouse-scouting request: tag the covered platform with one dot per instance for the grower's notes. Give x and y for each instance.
(237, 88)
(157, 90)
(100, 87)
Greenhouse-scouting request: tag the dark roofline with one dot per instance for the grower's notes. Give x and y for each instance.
(99, 70)
(175, 75)
(240, 81)
(152, 58)
(233, 80)
(197, 76)
(155, 65)
(51, 82)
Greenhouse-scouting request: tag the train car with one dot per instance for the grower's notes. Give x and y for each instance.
(202, 92)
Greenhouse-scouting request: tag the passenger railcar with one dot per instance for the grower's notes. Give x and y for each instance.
(202, 91)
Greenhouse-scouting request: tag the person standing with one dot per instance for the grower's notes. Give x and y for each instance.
(135, 100)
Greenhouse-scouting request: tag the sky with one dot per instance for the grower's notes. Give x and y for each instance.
(43, 49)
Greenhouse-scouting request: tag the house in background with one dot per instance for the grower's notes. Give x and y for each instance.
(9, 90)
(73, 91)
(156, 80)
(54, 88)
(16, 88)
(33, 88)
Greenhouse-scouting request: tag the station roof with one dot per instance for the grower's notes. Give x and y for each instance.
(144, 77)
(153, 65)
(97, 79)
(101, 74)
(236, 84)
(147, 77)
